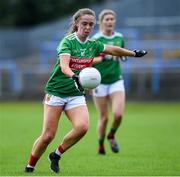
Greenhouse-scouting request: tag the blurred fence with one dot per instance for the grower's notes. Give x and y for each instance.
(156, 76)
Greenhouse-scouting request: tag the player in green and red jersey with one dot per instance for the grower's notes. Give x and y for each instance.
(111, 88)
(81, 56)
(64, 91)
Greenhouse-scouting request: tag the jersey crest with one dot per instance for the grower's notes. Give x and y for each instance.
(82, 52)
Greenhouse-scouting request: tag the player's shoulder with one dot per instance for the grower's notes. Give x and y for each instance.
(100, 35)
(118, 34)
(70, 37)
(97, 35)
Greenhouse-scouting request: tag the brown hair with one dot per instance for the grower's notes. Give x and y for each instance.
(75, 17)
(103, 13)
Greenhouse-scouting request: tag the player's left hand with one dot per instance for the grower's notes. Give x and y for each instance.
(139, 53)
(77, 83)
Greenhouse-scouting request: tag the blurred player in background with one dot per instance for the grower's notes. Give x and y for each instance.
(63, 90)
(111, 88)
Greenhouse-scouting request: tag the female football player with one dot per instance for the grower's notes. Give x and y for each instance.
(111, 88)
(63, 90)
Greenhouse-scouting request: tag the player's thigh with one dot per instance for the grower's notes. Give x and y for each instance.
(79, 116)
(118, 102)
(51, 118)
(101, 104)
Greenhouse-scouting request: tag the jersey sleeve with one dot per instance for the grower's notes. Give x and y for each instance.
(64, 47)
(122, 39)
(100, 47)
(123, 43)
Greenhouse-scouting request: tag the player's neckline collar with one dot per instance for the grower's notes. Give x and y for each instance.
(108, 37)
(80, 40)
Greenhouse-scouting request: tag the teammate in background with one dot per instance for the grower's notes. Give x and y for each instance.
(63, 90)
(111, 88)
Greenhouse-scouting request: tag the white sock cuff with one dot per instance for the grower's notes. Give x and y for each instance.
(57, 152)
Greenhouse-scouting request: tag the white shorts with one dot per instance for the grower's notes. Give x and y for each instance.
(106, 89)
(67, 102)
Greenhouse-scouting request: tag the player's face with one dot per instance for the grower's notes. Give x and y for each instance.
(108, 22)
(85, 25)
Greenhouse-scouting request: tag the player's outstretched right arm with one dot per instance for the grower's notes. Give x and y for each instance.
(118, 51)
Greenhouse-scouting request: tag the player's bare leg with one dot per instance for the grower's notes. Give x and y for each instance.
(50, 124)
(118, 100)
(101, 104)
(79, 117)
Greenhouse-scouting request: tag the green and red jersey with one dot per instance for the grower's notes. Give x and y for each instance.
(81, 56)
(109, 68)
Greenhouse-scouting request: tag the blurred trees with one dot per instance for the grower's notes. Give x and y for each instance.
(24, 13)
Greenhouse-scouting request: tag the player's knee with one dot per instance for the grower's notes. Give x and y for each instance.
(117, 116)
(104, 119)
(82, 128)
(48, 137)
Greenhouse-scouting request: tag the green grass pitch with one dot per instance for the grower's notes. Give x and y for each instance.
(149, 138)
